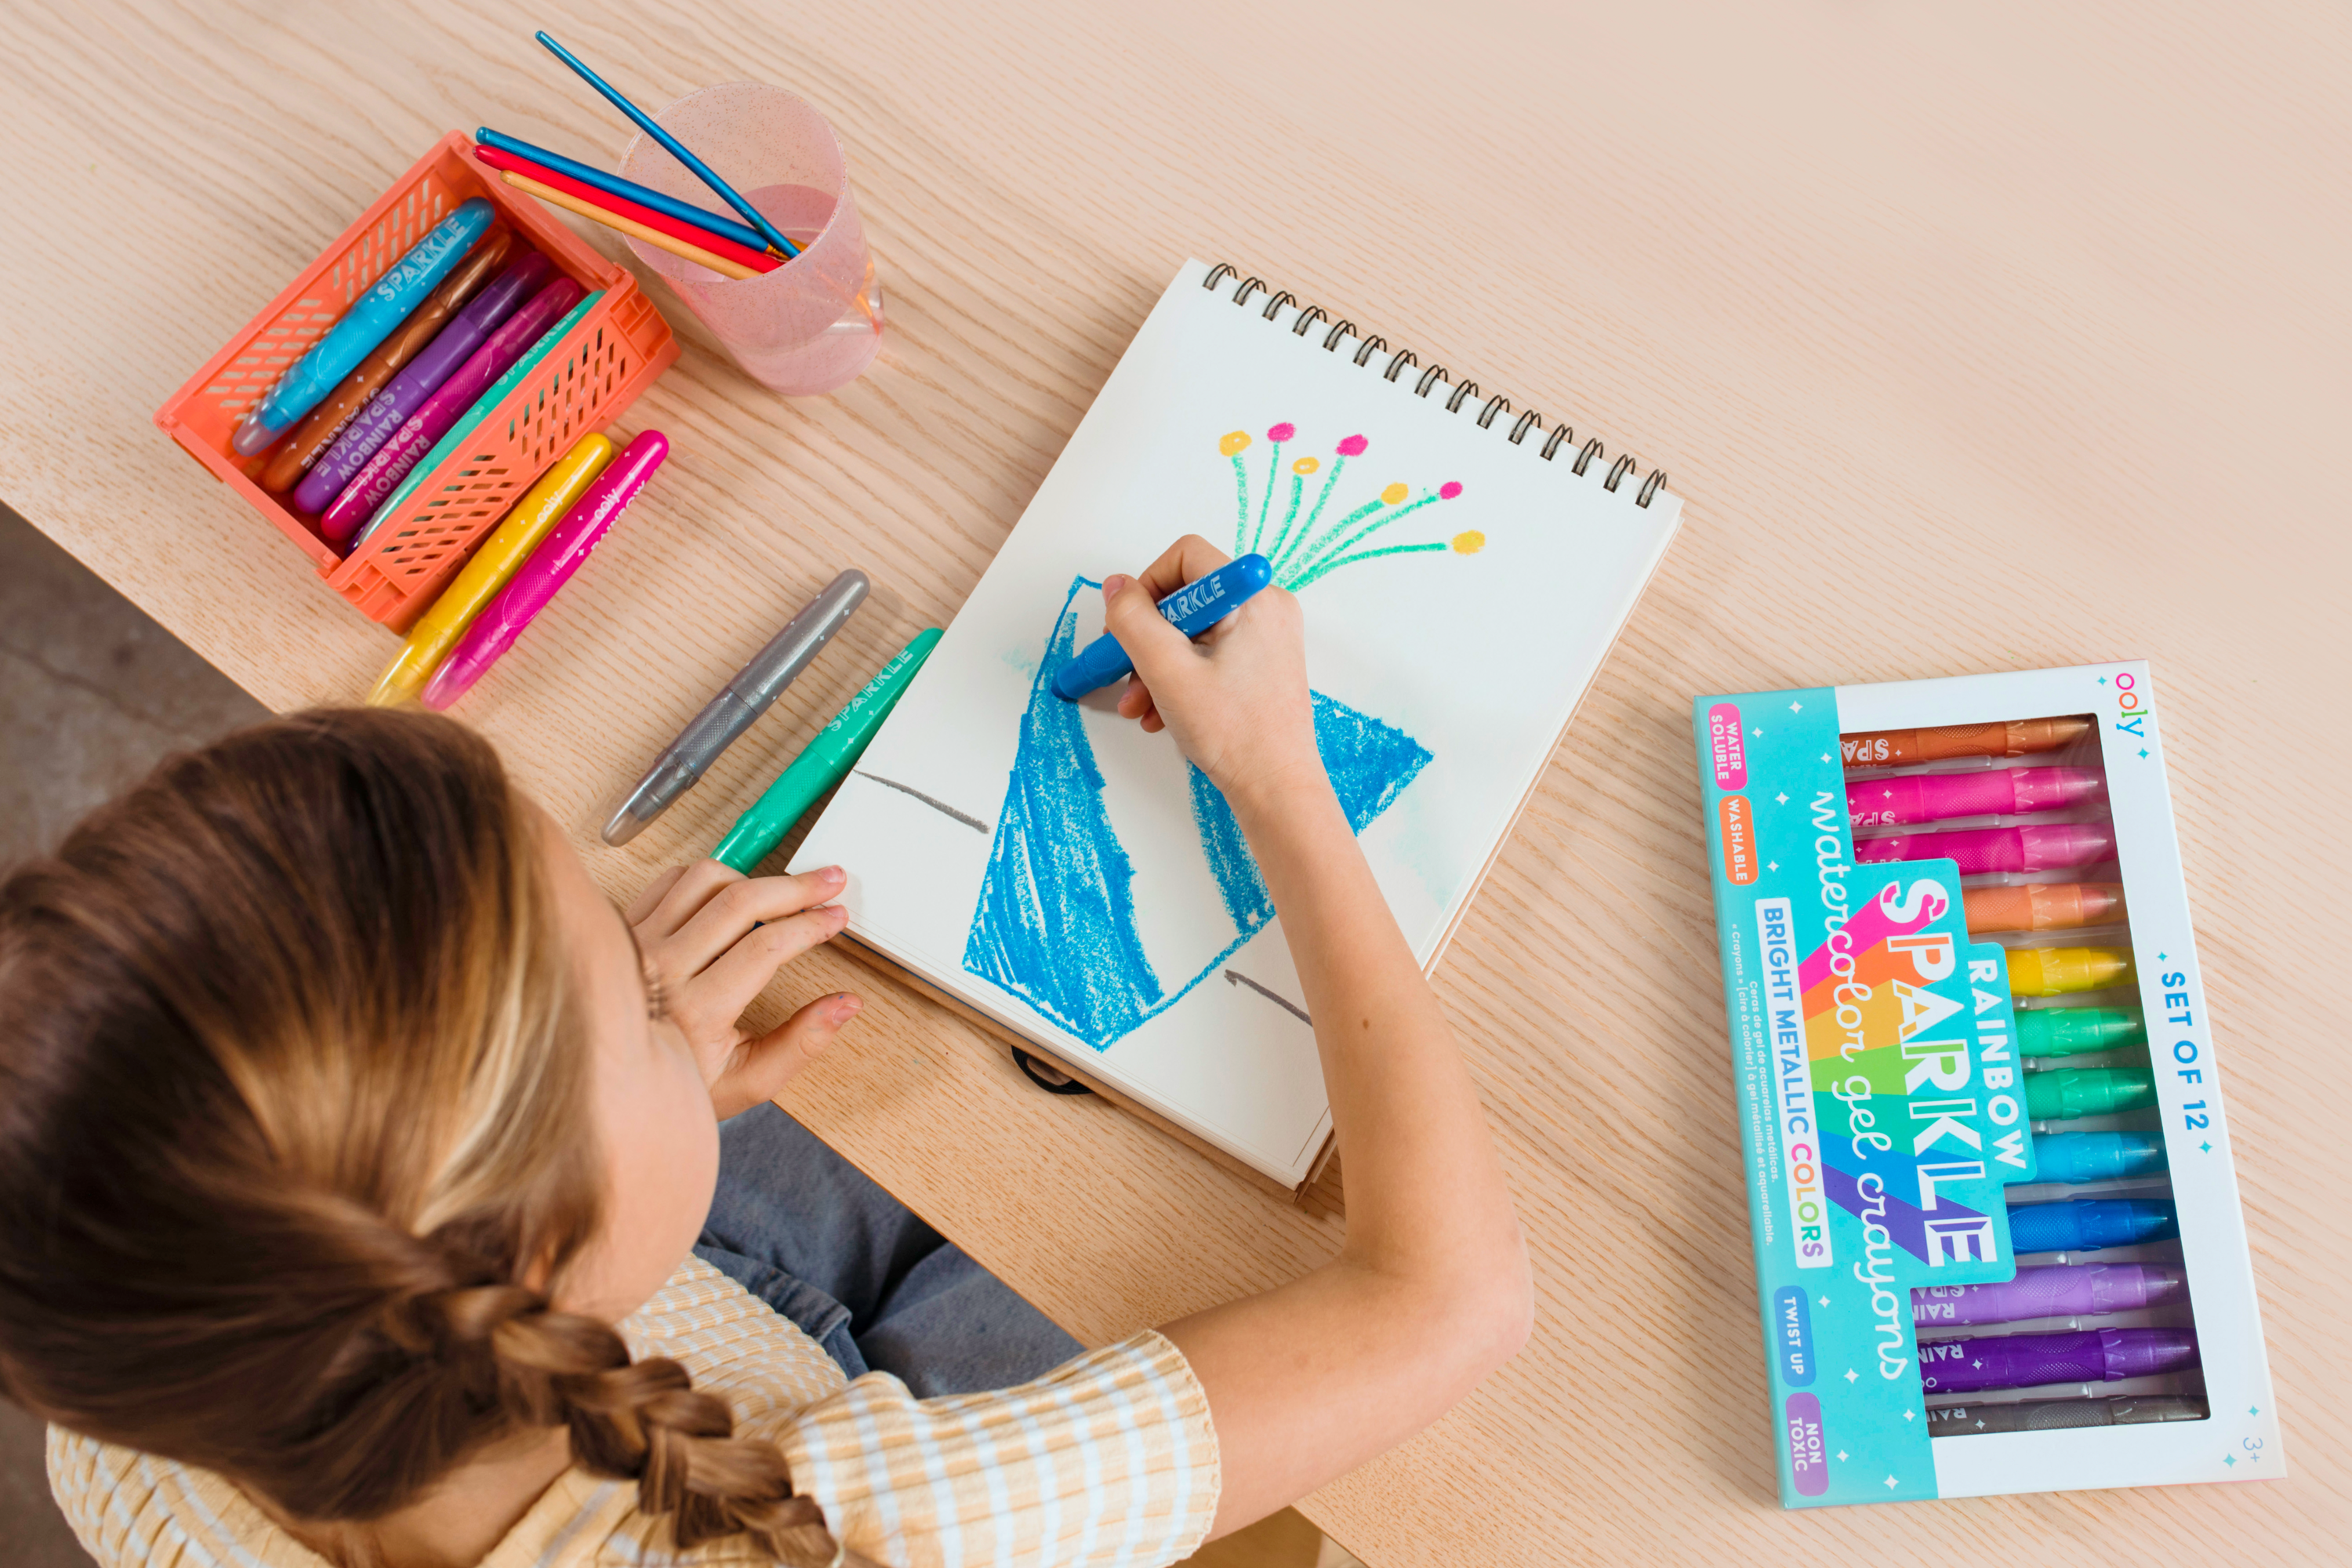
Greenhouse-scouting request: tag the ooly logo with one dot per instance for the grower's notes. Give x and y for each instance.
(2135, 704)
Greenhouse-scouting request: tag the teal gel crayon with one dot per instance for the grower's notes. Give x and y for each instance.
(372, 316)
(2075, 1158)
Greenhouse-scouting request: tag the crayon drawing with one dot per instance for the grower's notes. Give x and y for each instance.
(1301, 555)
(1055, 923)
(1070, 879)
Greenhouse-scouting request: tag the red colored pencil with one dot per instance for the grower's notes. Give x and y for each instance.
(717, 244)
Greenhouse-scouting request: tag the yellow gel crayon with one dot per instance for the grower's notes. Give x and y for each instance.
(2054, 971)
(438, 629)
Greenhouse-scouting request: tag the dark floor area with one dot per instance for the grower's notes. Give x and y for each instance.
(93, 694)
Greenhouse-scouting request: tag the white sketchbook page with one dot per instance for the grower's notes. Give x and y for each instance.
(1474, 652)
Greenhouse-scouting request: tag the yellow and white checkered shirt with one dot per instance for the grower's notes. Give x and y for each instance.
(1108, 1460)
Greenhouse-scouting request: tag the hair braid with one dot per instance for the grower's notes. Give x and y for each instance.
(630, 1420)
(285, 1172)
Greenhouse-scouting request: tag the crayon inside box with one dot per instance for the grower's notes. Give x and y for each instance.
(606, 358)
(1997, 1233)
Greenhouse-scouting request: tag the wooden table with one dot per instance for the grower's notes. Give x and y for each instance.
(1996, 339)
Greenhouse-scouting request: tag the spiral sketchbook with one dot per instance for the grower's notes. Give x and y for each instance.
(1046, 865)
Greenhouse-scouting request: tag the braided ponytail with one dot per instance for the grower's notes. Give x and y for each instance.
(636, 1420)
(285, 1172)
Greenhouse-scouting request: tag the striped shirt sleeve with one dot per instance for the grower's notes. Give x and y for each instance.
(1110, 1461)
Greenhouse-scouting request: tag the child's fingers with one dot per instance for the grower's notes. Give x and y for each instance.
(1188, 560)
(651, 896)
(1158, 650)
(686, 893)
(721, 992)
(735, 908)
(763, 1067)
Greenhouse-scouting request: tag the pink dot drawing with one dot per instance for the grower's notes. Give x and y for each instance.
(1353, 446)
(1282, 432)
(1448, 490)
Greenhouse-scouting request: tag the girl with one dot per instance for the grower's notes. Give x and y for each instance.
(353, 1154)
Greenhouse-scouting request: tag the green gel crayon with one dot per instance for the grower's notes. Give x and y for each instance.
(2070, 1093)
(2077, 1031)
(825, 763)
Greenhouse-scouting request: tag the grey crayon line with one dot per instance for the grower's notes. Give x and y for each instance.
(940, 805)
(1234, 977)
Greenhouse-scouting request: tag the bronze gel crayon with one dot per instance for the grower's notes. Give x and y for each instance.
(2023, 737)
(1996, 792)
(2043, 906)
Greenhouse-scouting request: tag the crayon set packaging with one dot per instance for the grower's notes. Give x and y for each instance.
(1997, 1233)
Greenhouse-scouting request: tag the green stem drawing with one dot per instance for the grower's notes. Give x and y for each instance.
(1322, 497)
(1297, 489)
(1273, 468)
(1305, 546)
(1307, 567)
(1330, 566)
(1241, 503)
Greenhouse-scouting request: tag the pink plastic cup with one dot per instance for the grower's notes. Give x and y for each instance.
(814, 323)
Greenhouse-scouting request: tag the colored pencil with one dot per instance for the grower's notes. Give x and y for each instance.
(631, 227)
(757, 258)
(488, 139)
(676, 147)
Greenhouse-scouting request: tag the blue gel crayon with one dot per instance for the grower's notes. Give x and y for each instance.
(2085, 1224)
(1192, 609)
(2077, 1157)
(369, 321)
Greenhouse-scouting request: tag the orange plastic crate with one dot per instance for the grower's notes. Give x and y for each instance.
(611, 354)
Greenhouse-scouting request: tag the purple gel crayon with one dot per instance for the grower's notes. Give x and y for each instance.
(390, 408)
(2029, 1360)
(2054, 1290)
(383, 473)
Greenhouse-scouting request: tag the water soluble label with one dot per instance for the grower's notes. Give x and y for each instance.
(1728, 746)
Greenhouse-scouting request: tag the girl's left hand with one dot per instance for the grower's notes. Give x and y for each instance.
(707, 954)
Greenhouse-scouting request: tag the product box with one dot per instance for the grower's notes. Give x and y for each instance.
(1997, 1231)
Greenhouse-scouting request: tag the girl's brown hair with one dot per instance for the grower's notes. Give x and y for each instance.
(295, 1141)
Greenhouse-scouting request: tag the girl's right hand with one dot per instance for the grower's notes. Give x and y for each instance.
(1236, 700)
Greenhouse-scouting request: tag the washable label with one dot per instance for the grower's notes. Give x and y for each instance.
(1882, 1111)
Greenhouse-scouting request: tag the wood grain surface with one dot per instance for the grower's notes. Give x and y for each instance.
(1976, 338)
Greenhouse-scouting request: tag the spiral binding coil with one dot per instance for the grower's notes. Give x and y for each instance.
(1461, 393)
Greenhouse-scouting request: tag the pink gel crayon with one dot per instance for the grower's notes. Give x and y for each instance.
(2083, 1289)
(562, 552)
(407, 446)
(2030, 1361)
(1978, 850)
(1994, 792)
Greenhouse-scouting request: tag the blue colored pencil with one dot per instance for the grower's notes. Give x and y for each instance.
(628, 190)
(676, 147)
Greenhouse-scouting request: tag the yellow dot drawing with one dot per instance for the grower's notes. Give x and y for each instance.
(1469, 541)
(1305, 465)
(1232, 442)
(1395, 495)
